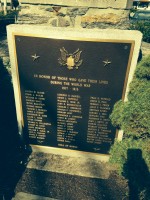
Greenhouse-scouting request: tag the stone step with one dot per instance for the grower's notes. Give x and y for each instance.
(79, 166)
(27, 196)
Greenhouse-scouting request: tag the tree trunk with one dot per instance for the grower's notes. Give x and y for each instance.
(5, 7)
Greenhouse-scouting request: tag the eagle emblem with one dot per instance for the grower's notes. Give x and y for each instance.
(71, 60)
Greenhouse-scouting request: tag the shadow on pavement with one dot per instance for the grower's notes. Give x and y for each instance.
(13, 153)
(137, 173)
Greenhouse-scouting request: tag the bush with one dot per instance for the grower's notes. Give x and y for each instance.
(133, 160)
(133, 116)
(143, 69)
(144, 27)
(119, 152)
(132, 154)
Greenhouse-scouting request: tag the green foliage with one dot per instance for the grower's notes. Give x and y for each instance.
(132, 154)
(144, 27)
(119, 156)
(143, 69)
(133, 116)
(133, 160)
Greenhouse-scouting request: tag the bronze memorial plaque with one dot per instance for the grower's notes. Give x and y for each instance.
(68, 88)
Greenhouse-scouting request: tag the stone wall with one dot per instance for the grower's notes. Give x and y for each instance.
(71, 16)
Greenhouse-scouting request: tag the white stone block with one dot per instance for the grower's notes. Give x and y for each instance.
(123, 4)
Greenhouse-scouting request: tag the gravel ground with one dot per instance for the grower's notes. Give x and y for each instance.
(68, 187)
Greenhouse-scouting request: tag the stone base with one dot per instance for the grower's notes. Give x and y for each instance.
(123, 4)
(27, 196)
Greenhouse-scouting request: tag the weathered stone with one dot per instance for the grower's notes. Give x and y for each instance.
(50, 9)
(35, 14)
(72, 11)
(105, 16)
(61, 14)
(35, 10)
(46, 8)
(77, 22)
(72, 20)
(59, 21)
(96, 11)
(63, 22)
(32, 19)
(53, 22)
(82, 11)
(122, 25)
(76, 11)
(62, 11)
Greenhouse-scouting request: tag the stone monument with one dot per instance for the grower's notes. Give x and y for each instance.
(66, 82)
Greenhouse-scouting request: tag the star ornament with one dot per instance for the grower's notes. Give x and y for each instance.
(35, 57)
(106, 62)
